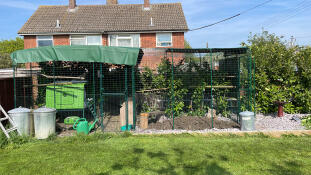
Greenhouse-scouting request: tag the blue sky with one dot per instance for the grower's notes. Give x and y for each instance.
(282, 17)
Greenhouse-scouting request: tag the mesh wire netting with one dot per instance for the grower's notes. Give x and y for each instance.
(177, 87)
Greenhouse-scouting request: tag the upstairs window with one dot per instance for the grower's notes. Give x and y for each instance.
(85, 40)
(124, 40)
(44, 40)
(164, 39)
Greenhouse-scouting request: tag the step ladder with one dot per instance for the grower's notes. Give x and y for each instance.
(11, 122)
(90, 104)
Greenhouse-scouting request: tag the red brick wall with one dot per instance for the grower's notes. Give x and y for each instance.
(61, 40)
(30, 42)
(105, 40)
(152, 58)
(148, 40)
(178, 40)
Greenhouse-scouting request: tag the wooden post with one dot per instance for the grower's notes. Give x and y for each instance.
(144, 120)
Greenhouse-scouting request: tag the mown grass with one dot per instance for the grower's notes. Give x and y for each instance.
(158, 154)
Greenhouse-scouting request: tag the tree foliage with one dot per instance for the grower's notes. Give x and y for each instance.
(282, 74)
(6, 48)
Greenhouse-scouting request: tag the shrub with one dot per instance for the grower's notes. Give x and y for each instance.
(282, 74)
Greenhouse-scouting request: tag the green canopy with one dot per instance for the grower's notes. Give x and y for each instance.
(101, 54)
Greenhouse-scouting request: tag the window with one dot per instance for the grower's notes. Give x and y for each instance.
(44, 40)
(164, 39)
(85, 40)
(124, 40)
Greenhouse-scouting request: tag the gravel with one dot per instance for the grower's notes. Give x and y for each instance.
(272, 122)
(289, 122)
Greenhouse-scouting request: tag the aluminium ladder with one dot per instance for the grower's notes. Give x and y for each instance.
(12, 124)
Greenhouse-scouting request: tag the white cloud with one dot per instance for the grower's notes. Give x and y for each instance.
(19, 4)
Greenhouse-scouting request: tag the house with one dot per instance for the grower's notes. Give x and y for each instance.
(148, 26)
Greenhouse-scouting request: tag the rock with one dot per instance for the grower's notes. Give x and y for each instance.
(296, 119)
(162, 119)
(210, 112)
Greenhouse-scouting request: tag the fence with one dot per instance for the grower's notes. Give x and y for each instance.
(195, 87)
(178, 87)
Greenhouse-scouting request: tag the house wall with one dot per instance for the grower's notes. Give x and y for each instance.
(152, 57)
(61, 40)
(105, 40)
(147, 41)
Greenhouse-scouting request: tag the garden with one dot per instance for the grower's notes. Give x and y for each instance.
(158, 154)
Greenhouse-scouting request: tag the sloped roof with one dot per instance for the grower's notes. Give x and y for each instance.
(106, 18)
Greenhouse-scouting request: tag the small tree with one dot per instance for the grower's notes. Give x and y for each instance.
(6, 48)
(282, 73)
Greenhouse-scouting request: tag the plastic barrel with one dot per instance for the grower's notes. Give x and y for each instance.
(21, 118)
(45, 122)
(247, 121)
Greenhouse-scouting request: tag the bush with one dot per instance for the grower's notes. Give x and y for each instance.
(282, 74)
(306, 122)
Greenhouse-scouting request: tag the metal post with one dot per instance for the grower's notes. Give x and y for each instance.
(94, 97)
(14, 85)
(172, 89)
(133, 96)
(101, 90)
(212, 106)
(126, 100)
(254, 85)
(238, 89)
(54, 84)
(249, 82)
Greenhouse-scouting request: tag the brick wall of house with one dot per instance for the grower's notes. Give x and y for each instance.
(30, 41)
(178, 40)
(152, 57)
(61, 40)
(105, 40)
(147, 41)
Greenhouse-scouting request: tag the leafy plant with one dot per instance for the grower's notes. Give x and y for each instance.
(306, 122)
(287, 79)
(176, 103)
(197, 108)
(222, 106)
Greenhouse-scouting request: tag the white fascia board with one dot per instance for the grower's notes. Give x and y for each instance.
(100, 33)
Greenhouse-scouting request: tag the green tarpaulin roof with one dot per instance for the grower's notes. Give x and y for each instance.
(101, 54)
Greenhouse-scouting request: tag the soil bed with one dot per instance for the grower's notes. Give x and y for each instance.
(193, 123)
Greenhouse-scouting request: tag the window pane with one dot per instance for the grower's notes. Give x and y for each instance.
(164, 37)
(136, 40)
(45, 37)
(77, 42)
(77, 36)
(125, 42)
(93, 40)
(165, 44)
(113, 40)
(45, 43)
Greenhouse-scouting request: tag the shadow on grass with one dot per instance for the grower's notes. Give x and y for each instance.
(288, 168)
(170, 164)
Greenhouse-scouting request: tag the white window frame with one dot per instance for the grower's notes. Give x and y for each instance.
(85, 38)
(123, 37)
(37, 39)
(158, 43)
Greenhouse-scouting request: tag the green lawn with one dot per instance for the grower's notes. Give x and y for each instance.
(169, 154)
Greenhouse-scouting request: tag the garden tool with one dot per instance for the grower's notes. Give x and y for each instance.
(82, 126)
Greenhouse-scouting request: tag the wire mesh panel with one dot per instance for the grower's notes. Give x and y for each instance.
(191, 89)
(195, 88)
(79, 89)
